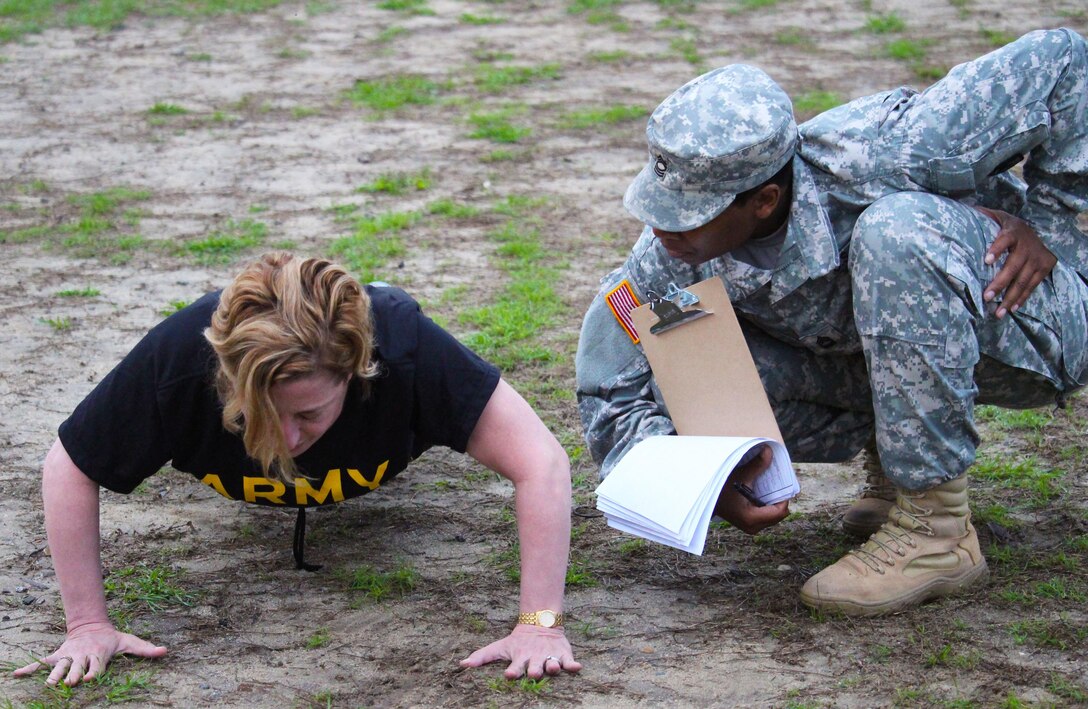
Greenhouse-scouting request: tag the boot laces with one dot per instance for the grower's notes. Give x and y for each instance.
(891, 541)
(876, 483)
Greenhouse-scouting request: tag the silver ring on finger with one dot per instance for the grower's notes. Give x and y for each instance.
(62, 659)
(552, 657)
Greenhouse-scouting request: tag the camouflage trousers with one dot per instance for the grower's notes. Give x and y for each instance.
(931, 347)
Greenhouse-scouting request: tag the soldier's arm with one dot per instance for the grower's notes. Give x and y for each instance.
(616, 398)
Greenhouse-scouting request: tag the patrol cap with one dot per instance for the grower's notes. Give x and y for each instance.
(720, 134)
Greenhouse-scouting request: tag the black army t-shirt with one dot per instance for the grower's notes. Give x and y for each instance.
(159, 405)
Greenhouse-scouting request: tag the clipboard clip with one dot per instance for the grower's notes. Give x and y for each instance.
(669, 309)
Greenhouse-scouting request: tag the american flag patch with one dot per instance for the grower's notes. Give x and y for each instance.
(622, 300)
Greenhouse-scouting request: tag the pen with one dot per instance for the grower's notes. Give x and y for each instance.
(748, 494)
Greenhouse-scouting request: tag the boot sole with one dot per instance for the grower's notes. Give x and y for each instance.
(936, 588)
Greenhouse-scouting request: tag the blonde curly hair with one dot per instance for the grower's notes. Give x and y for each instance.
(285, 317)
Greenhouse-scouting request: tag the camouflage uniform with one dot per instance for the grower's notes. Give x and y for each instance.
(882, 264)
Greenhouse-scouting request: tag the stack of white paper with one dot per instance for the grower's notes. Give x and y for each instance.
(665, 488)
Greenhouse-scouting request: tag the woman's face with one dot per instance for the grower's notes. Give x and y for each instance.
(307, 407)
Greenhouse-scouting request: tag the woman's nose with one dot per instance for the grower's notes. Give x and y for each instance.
(291, 432)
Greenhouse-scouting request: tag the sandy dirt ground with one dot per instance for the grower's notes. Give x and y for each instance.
(240, 124)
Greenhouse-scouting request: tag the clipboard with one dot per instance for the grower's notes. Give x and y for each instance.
(705, 371)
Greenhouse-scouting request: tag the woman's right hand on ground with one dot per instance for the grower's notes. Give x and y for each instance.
(87, 652)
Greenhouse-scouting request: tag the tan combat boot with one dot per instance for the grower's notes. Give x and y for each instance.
(927, 548)
(877, 498)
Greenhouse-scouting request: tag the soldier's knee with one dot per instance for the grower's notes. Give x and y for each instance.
(904, 229)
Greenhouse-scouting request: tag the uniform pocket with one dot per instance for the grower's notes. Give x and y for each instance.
(992, 150)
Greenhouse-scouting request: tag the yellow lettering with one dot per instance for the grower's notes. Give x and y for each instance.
(372, 484)
(216, 484)
(331, 486)
(273, 495)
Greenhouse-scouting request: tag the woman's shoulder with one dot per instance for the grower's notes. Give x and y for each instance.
(396, 321)
(176, 347)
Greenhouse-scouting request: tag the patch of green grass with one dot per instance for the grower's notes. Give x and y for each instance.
(1058, 589)
(996, 38)
(130, 687)
(516, 205)
(288, 53)
(885, 24)
(686, 48)
(497, 127)
(1062, 634)
(816, 101)
(319, 7)
(94, 231)
(59, 324)
(523, 308)
(794, 37)
(578, 7)
(223, 246)
(578, 575)
(167, 109)
(755, 4)
(449, 208)
(374, 242)
(411, 7)
(592, 117)
(393, 92)
(469, 19)
(618, 55)
(907, 50)
(493, 78)
(173, 306)
(382, 585)
(599, 12)
(152, 588)
(398, 183)
(109, 687)
(1067, 689)
(1025, 474)
(22, 17)
(673, 23)
(390, 33)
(1033, 420)
(319, 638)
(499, 156)
(299, 112)
(633, 547)
(998, 514)
(87, 292)
(341, 212)
(526, 685)
(199, 57)
(928, 72)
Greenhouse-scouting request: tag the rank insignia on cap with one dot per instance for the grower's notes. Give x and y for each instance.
(622, 300)
(660, 166)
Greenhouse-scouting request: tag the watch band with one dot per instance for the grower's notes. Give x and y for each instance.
(544, 618)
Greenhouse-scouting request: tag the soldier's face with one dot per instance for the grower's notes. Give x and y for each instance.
(725, 232)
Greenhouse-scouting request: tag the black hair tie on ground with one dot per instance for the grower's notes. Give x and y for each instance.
(300, 542)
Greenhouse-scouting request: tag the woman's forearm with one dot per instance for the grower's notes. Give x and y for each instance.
(511, 439)
(71, 523)
(543, 512)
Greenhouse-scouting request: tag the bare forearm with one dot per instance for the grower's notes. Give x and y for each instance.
(543, 511)
(71, 523)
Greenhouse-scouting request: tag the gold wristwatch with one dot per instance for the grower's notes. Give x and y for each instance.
(545, 619)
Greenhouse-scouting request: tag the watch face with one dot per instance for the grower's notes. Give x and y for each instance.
(546, 618)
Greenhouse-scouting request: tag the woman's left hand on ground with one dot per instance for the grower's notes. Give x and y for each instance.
(530, 650)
